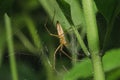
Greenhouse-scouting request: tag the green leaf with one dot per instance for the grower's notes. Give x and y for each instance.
(113, 75)
(9, 39)
(80, 70)
(109, 8)
(84, 69)
(76, 12)
(65, 7)
(52, 8)
(111, 60)
(67, 12)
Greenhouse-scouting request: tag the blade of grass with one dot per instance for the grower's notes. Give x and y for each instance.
(10, 47)
(33, 31)
(25, 41)
(81, 42)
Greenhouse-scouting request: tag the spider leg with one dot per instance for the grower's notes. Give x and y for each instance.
(61, 49)
(68, 55)
(51, 33)
(55, 53)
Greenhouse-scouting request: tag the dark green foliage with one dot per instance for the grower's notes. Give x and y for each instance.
(33, 47)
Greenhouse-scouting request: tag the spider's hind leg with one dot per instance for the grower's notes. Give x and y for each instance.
(59, 47)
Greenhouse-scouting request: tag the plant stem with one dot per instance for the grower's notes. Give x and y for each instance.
(93, 38)
(97, 66)
(81, 42)
(10, 47)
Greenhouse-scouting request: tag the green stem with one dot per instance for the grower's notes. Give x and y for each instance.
(10, 47)
(81, 42)
(73, 48)
(97, 66)
(93, 38)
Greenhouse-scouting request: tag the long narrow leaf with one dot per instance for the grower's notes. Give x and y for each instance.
(10, 47)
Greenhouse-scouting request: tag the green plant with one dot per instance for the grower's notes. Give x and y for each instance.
(90, 11)
(91, 28)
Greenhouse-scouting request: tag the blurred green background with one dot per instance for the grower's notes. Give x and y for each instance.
(34, 47)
